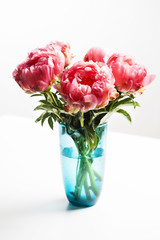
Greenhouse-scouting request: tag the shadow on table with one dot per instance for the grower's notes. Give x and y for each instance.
(71, 207)
(58, 206)
(50, 207)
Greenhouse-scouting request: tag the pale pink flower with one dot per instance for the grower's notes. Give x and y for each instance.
(64, 48)
(86, 86)
(40, 70)
(129, 75)
(96, 54)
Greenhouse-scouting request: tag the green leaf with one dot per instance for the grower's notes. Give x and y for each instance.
(50, 122)
(91, 137)
(45, 107)
(62, 100)
(39, 107)
(121, 102)
(136, 104)
(96, 121)
(47, 114)
(55, 117)
(44, 102)
(45, 95)
(126, 114)
(39, 118)
(36, 95)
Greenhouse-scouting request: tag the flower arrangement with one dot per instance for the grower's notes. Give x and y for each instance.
(81, 95)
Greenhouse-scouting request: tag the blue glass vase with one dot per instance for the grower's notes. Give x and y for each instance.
(82, 168)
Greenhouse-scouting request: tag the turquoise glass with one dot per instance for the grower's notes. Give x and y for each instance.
(82, 168)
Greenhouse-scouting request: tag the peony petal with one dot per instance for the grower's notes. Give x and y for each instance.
(88, 85)
(90, 102)
(96, 54)
(129, 75)
(148, 79)
(40, 70)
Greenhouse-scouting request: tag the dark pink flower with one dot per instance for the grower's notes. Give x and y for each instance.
(64, 48)
(40, 70)
(96, 54)
(129, 75)
(86, 86)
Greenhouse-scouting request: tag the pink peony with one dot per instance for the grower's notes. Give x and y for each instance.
(86, 86)
(40, 70)
(96, 54)
(64, 48)
(129, 76)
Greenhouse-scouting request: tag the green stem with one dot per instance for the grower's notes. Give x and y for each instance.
(80, 185)
(92, 179)
(52, 97)
(85, 174)
(97, 175)
(86, 188)
(82, 120)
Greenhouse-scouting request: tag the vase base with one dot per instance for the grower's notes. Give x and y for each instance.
(81, 203)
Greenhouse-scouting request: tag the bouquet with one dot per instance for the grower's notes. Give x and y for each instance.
(81, 96)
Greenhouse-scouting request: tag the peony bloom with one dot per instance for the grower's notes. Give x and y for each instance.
(129, 76)
(64, 48)
(96, 54)
(86, 86)
(40, 70)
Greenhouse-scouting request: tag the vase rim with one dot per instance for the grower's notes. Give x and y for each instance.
(100, 125)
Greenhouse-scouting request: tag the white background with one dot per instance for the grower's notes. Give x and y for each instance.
(130, 27)
(33, 205)
(32, 198)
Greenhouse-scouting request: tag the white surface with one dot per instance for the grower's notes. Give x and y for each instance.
(126, 26)
(32, 200)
